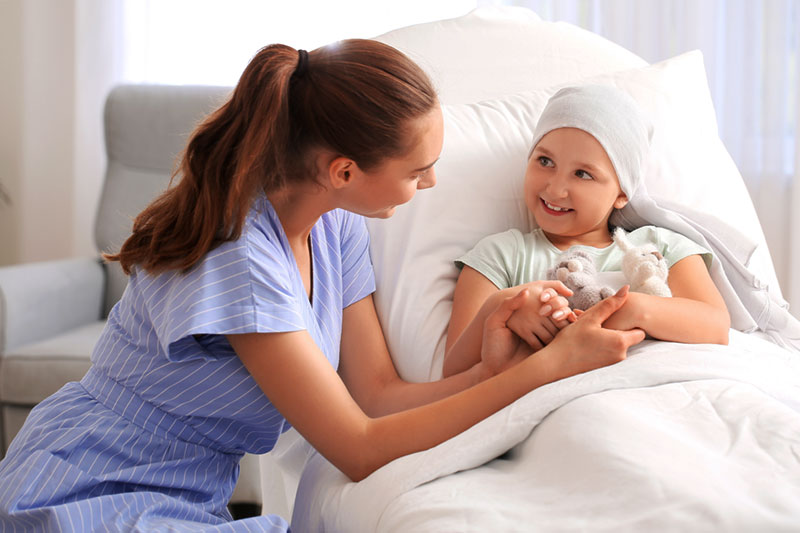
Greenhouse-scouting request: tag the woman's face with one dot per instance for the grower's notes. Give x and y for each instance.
(396, 180)
(571, 188)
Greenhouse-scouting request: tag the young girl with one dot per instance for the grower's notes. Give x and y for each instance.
(587, 158)
(249, 308)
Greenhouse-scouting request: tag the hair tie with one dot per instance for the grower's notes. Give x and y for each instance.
(302, 64)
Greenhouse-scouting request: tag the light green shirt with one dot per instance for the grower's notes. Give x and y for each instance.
(512, 258)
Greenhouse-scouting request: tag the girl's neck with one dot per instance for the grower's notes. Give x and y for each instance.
(595, 239)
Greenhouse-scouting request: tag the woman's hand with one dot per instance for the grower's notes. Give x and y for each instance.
(586, 345)
(501, 348)
(542, 314)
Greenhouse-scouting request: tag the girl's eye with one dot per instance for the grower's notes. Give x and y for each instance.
(420, 175)
(584, 175)
(545, 161)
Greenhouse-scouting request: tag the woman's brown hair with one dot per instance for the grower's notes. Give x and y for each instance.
(354, 98)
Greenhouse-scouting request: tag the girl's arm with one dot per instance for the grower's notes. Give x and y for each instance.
(331, 412)
(474, 297)
(696, 312)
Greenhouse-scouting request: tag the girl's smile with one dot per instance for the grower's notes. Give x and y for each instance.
(555, 210)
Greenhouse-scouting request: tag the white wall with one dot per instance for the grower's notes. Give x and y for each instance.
(39, 101)
(57, 62)
(48, 91)
(11, 120)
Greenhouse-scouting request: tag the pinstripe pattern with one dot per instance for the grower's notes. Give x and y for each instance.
(151, 438)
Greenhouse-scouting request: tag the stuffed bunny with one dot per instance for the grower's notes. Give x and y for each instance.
(645, 269)
(576, 270)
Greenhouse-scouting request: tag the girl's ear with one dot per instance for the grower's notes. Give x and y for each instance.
(621, 201)
(340, 172)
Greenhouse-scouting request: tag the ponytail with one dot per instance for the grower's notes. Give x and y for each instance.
(355, 98)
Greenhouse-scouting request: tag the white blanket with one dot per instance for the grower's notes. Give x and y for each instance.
(676, 438)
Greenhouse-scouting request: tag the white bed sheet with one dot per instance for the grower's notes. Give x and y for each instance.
(676, 438)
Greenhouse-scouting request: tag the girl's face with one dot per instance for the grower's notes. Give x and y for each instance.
(571, 188)
(396, 181)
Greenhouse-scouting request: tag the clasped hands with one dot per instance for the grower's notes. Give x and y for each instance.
(539, 315)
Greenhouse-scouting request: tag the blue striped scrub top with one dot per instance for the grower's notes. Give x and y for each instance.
(151, 438)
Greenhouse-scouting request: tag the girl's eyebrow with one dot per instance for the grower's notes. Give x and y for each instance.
(543, 150)
(591, 167)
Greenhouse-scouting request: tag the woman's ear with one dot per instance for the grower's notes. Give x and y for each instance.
(340, 172)
(621, 201)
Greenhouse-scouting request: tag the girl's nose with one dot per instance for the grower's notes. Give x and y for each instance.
(557, 185)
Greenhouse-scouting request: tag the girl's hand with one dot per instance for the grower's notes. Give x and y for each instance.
(586, 345)
(543, 314)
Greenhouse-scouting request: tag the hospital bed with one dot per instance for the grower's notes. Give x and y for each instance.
(675, 438)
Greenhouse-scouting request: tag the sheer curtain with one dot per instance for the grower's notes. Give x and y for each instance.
(752, 55)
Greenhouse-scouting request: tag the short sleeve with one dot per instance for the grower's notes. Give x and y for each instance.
(358, 276)
(243, 286)
(494, 256)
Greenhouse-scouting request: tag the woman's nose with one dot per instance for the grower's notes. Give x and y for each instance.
(427, 181)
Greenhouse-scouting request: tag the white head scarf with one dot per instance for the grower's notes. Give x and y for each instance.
(609, 115)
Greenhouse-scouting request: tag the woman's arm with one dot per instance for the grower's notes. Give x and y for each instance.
(696, 312)
(367, 369)
(305, 388)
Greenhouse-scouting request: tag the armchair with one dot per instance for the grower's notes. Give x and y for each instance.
(52, 313)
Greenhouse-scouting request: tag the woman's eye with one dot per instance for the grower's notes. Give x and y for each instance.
(584, 175)
(545, 161)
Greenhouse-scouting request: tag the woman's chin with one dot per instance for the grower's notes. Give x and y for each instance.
(384, 213)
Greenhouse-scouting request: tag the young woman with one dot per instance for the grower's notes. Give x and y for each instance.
(249, 308)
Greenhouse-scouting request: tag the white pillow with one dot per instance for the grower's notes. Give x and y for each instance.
(498, 50)
(479, 192)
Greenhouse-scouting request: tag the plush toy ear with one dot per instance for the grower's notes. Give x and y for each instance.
(621, 240)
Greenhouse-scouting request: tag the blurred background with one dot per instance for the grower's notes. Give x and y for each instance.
(59, 59)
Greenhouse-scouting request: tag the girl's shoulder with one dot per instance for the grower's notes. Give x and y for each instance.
(510, 235)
